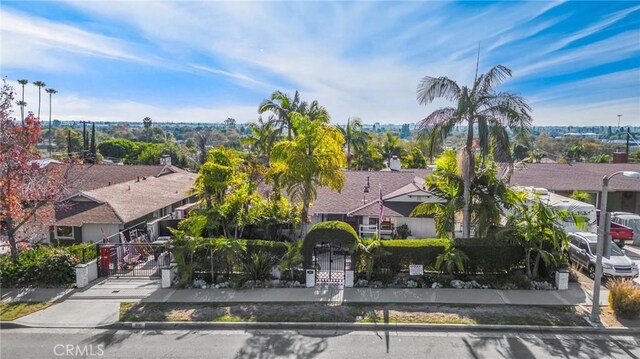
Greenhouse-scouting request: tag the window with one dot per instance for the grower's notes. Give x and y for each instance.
(64, 232)
(583, 245)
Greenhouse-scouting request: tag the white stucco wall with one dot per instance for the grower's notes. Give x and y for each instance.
(93, 232)
(420, 227)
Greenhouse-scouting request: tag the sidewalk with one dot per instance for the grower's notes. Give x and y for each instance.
(98, 305)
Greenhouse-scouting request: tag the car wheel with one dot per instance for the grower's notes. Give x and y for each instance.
(592, 272)
(620, 244)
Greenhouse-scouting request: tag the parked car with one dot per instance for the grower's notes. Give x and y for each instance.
(582, 251)
(620, 233)
(630, 220)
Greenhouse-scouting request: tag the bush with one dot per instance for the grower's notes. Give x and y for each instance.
(90, 251)
(257, 267)
(624, 298)
(41, 266)
(337, 232)
(403, 252)
(403, 231)
(489, 255)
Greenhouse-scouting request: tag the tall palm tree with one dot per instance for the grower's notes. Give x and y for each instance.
(40, 85)
(282, 106)
(353, 126)
(391, 147)
(51, 92)
(313, 158)
(22, 82)
(482, 106)
(22, 105)
(147, 122)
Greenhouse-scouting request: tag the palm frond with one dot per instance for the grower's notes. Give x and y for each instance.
(431, 88)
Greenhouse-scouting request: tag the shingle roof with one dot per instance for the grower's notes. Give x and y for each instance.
(352, 195)
(373, 209)
(90, 177)
(132, 200)
(578, 176)
(78, 213)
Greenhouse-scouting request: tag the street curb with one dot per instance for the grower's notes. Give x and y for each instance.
(398, 327)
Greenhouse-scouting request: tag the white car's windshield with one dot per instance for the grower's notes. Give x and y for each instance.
(615, 250)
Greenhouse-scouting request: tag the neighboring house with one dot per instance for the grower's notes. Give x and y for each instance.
(358, 202)
(107, 199)
(563, 179)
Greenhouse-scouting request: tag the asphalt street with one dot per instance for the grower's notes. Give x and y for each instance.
(89, 343)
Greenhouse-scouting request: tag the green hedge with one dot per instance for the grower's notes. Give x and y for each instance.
(41, 266)
(336, 232)
(490, 255)
(90, 251)
(403, 252)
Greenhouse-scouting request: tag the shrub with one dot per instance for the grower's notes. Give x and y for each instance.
(624, 298)
(489, 255)
(90, 251)
(403, 252)
(337, 232)
(403, 231)
(42, 266)
(258, 266)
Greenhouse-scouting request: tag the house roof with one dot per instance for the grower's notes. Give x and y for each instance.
(90, 177)
(416, 185)
(352, 195)
(134, 199)
(78, 213)
(124, 201)
(576, 176)
(372, 209)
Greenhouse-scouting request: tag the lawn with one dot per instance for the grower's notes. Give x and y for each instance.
(11, 311)
(352, 313)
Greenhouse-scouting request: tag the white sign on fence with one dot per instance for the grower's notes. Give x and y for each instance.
(416, 269)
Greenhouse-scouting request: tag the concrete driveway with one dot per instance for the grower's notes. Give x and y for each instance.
(633, 252)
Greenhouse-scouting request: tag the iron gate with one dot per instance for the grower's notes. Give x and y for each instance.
(132, 259)
(331, 262)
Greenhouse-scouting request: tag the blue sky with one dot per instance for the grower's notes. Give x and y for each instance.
(578, 63)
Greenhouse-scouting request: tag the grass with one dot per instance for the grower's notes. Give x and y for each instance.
(352, 313)
(12, 311)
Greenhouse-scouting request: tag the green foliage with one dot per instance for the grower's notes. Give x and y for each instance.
(403, 252)
(119, 148)
(336, 232)
(580, 196)
(491, 255)
(624, 298)
(258, 266)
(151, 153)
(293, 257)
(41, 266)
(414, 159)
(76, 250)
(451, 259)
(368, 251)
(403, 231)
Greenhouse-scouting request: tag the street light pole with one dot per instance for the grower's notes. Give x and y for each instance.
(602, 236)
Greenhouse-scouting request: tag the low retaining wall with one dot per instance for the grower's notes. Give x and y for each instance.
(86, 273)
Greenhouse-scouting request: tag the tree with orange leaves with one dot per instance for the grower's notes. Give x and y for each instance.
(27, 187)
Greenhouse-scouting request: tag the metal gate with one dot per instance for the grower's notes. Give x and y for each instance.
(132, 259)
(331, 262)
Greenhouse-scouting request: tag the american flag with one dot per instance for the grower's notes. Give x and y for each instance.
(381, 213)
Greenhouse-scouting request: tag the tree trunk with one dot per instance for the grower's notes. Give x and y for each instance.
(12, 239)
(536, 265)
(528, 263)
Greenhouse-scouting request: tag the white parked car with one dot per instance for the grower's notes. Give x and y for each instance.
(582, 251)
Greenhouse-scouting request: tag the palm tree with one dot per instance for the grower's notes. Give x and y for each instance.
(147, 122)
(353, 131)
(22, 105)
(391, 147)
(262, 138)
(313, 158)
(230, 250)
(22, 82)
(481, 105)
(40, 85)
(282, 106)
(451, 259)
(369, 251)
(51, 92)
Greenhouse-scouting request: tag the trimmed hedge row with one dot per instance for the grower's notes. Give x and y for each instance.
(337, 232)
(490, 255)
(402, 252)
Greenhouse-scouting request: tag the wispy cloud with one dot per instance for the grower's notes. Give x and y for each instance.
(355, 58)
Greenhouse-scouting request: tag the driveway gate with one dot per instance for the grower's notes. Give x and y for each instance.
(132, 259)
(331, 262)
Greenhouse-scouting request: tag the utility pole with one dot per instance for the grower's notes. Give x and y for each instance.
(619, 120)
